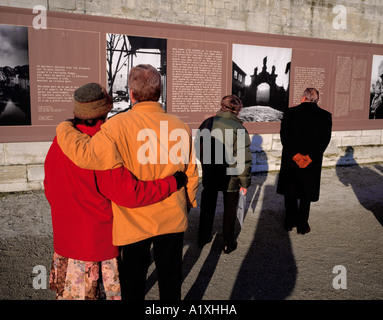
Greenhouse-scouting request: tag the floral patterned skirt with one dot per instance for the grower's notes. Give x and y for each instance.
(84, 280)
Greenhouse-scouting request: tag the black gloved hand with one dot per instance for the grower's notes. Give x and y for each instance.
(180, 178)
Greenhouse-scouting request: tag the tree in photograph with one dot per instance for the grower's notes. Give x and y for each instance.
(116, 56)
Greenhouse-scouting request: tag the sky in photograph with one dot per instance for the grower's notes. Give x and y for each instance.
(376, 61)
(248, 57)
(14, 46)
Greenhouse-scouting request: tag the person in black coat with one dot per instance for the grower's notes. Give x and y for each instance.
(305, 134)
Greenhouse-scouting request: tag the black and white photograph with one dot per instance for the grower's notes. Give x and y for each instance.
(376, 89)
(15, 105)
(125, 52)
(261, 79)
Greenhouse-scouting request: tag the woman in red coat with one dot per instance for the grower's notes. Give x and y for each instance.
(85, 260)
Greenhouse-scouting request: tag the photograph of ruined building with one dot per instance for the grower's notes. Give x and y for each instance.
(376, 96)
(261, 80)
(123, 53)
(15, 108)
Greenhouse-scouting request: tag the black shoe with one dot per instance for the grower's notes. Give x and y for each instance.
(202, 242)
(303, 230)
(227, 248)
(288, 226)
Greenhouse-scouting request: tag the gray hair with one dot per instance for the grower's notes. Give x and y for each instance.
(311, 94)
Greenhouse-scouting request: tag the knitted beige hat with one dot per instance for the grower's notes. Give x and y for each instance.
(91, 101)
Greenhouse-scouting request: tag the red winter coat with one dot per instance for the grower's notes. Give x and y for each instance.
(81, 212)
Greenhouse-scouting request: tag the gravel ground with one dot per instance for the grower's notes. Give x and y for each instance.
(270, 263)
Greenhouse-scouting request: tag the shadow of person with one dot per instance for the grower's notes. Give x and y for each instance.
(268, 271)
(260, 167)
(379, 167)
(198, 289)
(193, 253)
(366, 183)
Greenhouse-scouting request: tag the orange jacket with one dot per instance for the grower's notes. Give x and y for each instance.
(151, 144)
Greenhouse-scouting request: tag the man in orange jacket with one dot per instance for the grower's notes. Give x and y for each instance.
(151, 144)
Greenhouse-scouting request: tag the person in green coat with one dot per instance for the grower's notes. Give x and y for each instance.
(224, 152)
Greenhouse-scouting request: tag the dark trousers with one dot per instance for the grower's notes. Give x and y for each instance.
(208, 205)
(297, 212)
(135, 262)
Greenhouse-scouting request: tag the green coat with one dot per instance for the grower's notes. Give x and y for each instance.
(224, 153)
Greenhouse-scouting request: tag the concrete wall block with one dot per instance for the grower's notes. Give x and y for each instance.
(209, 11)
(224, 13)
(23, 4)
(131, 4)
(355, 133)
(261, 142)
(232, 5)
(333, 146)
(348, 141)
(26, 153)
(90, 6)
(9, 174)
(21, 186)
(62, 4)
(375, 153)
(329, 163)
(2, 154)
(276, 142)
(219, 4)
(368, 140)
(201, 3)
(235, 24)
(179, 7)
(274, 167)
(35, 173)
(257, 22)
(195, 9)
(367, 133)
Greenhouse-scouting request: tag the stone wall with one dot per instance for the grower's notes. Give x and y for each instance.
(21, 164)
(352, 20)
(345, 148)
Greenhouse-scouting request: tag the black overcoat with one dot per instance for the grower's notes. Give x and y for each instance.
(305, 129)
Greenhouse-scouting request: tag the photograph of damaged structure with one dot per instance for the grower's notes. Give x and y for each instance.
(123, 53)
(261, 80)
(15, 106)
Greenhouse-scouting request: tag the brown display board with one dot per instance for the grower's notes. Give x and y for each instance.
(40, 67)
